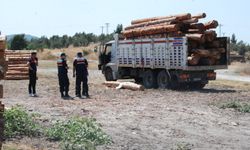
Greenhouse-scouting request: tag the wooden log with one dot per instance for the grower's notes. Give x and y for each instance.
(200, 16)
(16, 78)
(207, 61)
(210, 35)
(18, 68)
(150, 31)
(2, 45)
(17, 73)
(202, 52)
(199, 26)
(17, 62)
(190, 21)
(179, 17)
(193, 59)
(18, 58)
(151, 23)
(124, 85)
(211, 24)
(196, 37)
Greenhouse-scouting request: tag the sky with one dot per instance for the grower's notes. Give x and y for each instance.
(59, 17)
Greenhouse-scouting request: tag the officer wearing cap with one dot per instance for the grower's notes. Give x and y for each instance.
(63, 76)
(80, 71)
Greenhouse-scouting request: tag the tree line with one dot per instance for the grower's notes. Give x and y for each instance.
(239, 46)
(79, 39)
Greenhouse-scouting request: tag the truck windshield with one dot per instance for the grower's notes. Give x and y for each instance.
(108, 49)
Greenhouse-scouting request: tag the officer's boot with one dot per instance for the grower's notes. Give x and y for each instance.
(67, 94)
(62, 95)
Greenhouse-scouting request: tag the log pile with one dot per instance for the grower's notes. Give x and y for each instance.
(204, 46)
(3, 67)
(124, 85)
(17, 65)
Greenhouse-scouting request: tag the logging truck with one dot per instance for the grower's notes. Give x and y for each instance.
(157, 62)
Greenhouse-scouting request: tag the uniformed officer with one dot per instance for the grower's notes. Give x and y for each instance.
(32, 64)
(80, 71)
(63, 76)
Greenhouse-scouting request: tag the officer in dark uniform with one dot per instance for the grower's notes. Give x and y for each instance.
(63, 76)
(80, 70)
(32, 64)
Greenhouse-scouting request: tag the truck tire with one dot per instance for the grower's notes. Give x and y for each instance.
(149, 79)
(196, 85)
(163, 80)
(108, 73)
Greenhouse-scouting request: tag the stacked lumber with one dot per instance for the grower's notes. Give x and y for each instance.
(2, 74)
(1, 124)
(204, 46)
(17, 65)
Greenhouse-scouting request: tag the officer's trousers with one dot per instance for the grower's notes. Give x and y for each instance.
(32, 82)
(82, 80)
(63, 83)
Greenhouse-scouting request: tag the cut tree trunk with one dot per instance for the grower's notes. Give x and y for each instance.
(179, 17)
(200, 16)
(194, 59)
(151, 23)
(211, 24)
(150, 31)
(196, 37)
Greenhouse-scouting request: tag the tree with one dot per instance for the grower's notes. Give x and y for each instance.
(18, 42)
(233, 39)
(119, 29)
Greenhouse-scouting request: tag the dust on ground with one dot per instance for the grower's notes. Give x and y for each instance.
(140, 120)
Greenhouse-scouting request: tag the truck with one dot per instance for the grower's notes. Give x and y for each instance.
(157, 62)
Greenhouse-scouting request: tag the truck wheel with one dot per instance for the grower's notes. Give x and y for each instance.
(163, 80)
(149, 79)
(109, 74)
(196, 85)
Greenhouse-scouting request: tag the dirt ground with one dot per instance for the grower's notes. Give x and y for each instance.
(141, 120)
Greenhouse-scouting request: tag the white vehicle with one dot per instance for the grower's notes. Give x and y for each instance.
(156, 63)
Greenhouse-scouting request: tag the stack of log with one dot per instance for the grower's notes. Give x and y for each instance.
(2, 74)
(204, 46)
(17, 65)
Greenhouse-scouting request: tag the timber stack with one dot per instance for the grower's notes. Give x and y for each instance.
(3, 68)
(205, 48)
(17, 65)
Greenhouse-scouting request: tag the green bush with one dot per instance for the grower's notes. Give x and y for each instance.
(78, 133)
(241, 107)
(19, 123)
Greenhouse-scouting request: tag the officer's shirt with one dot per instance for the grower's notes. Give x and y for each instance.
(62, 66)
(81, 64)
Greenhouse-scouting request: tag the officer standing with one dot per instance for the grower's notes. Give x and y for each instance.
(32, 64)
(63, 76)
(80, 71)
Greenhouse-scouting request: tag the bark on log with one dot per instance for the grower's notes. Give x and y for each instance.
(151, 23)
(211, 24)
(151, 31)
(196, 37)
(194, 59)
(124, 85)
(200, 16)
(16, 78)
(199, 26)
(179, 17)
(190, 21)
(210, 35)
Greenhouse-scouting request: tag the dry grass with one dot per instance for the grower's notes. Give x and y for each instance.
(240, 68)
(231, 84)
(49, 54)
